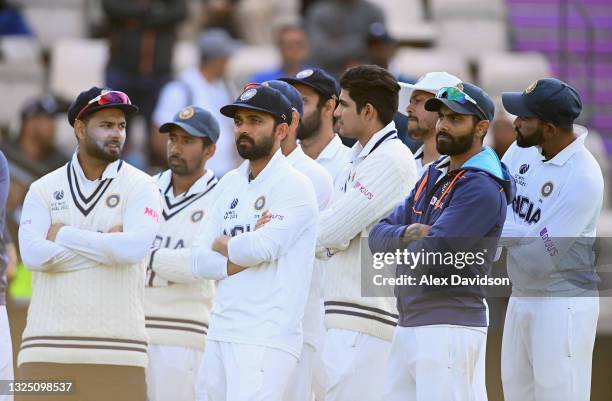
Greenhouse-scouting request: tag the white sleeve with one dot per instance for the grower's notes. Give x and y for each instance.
(206, 263)
(173, 265)
(324, 188)
(140, 224)
(37, 253)
(172, 98)
(374, 192)
(292, 212)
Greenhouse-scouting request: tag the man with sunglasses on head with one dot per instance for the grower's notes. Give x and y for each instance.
(549, 233)
(438, 348)
(86, 229)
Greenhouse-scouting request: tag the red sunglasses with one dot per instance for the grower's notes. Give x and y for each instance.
(111, 97)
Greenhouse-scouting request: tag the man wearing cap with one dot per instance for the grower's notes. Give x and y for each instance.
(300, 386)
(457, 206)
(206, 87)
(85, 231)
(263, 272)
(550, 232)
(320, 93)
(177, 304)
(422, 123)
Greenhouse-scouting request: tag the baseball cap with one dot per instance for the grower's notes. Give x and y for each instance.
(378, 33)
(548, 99)
(431, 82)
(95, 99)
(317, 79)
(45, 105)
(261, 98)
(464, 98)
(196, 122)
(217, 43)
(290, 93)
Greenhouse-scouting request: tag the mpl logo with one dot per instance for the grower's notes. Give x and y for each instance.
(58, 195)
(234, 203)
(524, 168)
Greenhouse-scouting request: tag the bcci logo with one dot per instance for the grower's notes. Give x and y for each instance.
(234, 203)
(197, 216)
(524, 168)
(58, 195)
(547, 189)
(246, 95)
(260, 203)
(112, 201)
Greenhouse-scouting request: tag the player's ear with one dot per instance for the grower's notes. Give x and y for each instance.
(209, 151)
(282, 130)
(79, 129)
(482, 127)
(329, 106)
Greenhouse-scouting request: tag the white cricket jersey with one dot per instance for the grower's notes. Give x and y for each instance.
(323, 187)
(177, 305)
(88, 285)
(382, 174)
(557, 202)
(418, 158)
(336, 159)
(264, 304)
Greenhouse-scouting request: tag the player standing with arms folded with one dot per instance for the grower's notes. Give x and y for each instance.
(177, 305)
(85, 231)
(264, 273)
(549, 232)
(383, 171)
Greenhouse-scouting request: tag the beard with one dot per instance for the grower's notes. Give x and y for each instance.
(454, 146)
(525, 142)
(103, 149)
(179, 166)
(310, 126)
(248, 149)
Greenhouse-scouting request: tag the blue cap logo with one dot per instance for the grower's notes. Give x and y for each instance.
(304, 74)
(186, 113)
(531, 87)
(247, 94)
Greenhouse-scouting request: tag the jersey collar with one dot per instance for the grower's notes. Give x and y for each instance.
(329, 152)
(203, 184)
(361, 152)
(110, 171)
(562, 157)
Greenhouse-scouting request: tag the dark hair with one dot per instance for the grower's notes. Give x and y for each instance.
(375, 85)
(206, 142)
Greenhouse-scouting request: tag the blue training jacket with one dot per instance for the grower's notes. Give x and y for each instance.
(466, 209)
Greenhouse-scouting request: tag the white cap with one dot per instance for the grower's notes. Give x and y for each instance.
(431, 82)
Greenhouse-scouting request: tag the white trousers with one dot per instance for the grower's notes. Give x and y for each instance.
(437, 363)
(355, 365)
(299, 387)
(6, 351)
(172, 373)
(241, 372)
(547, 348)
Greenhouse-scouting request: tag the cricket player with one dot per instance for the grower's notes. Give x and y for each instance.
(382, 172)
(86, 229)
(177, 305)
(458, 207)
(6, 346)
(264, 272)
(550, 229)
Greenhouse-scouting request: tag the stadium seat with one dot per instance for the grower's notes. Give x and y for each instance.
(499, 72)
(257, 19)
(77, 64)
(405, 20)
(19, 49)
(19, 83)
(185, 56)
(458, 9)
(249, 60)
(63, 19)
(417, 62)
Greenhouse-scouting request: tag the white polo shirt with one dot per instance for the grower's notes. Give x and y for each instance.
(336, 159)
(554, 212)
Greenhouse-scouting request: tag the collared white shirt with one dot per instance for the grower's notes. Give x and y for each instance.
(207, 181)
(320, 178)
(87, 185)
(335, 158)
(210, 96)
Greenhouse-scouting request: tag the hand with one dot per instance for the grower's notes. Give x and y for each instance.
(53, 230)
(263, 220)
(415, 232)
(220, 244)
(116, 229)
(233, 268)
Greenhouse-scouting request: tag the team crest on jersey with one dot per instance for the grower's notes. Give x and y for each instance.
(304, 74)
(247, 94)
(112, 200)
(531, 87)
(186, 113)
(547, 189)
(260, 203)
(58, 195)
(524, 168)
(197, 216)
(58, 201)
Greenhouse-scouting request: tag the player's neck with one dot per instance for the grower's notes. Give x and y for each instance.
(456, 161)
(550, 149)
(182, 183)
(92, 167)
(288, 145)
(314, 145)
(258, 165)
(430, 152)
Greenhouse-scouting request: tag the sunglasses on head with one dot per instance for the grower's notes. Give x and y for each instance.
(457, 95)
(111, 97)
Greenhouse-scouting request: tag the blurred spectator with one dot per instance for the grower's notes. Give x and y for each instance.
(381, 50)
(338, 29)
(204, 86)
(221, 14)
(11, 20)
(142, 37)
(293, 47)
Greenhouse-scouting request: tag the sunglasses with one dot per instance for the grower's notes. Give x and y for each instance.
(457, 95)
(111, 97)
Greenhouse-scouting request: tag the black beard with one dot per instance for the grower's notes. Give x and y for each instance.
(456, 146)
(533, 140)
(94, 151)
(255, 151)
(310, 126)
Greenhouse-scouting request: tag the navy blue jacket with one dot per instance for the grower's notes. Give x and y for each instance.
(466, 209)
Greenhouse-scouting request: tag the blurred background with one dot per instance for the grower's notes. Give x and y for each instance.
(166, 54)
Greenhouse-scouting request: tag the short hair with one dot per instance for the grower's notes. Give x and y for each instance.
(375, 85)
